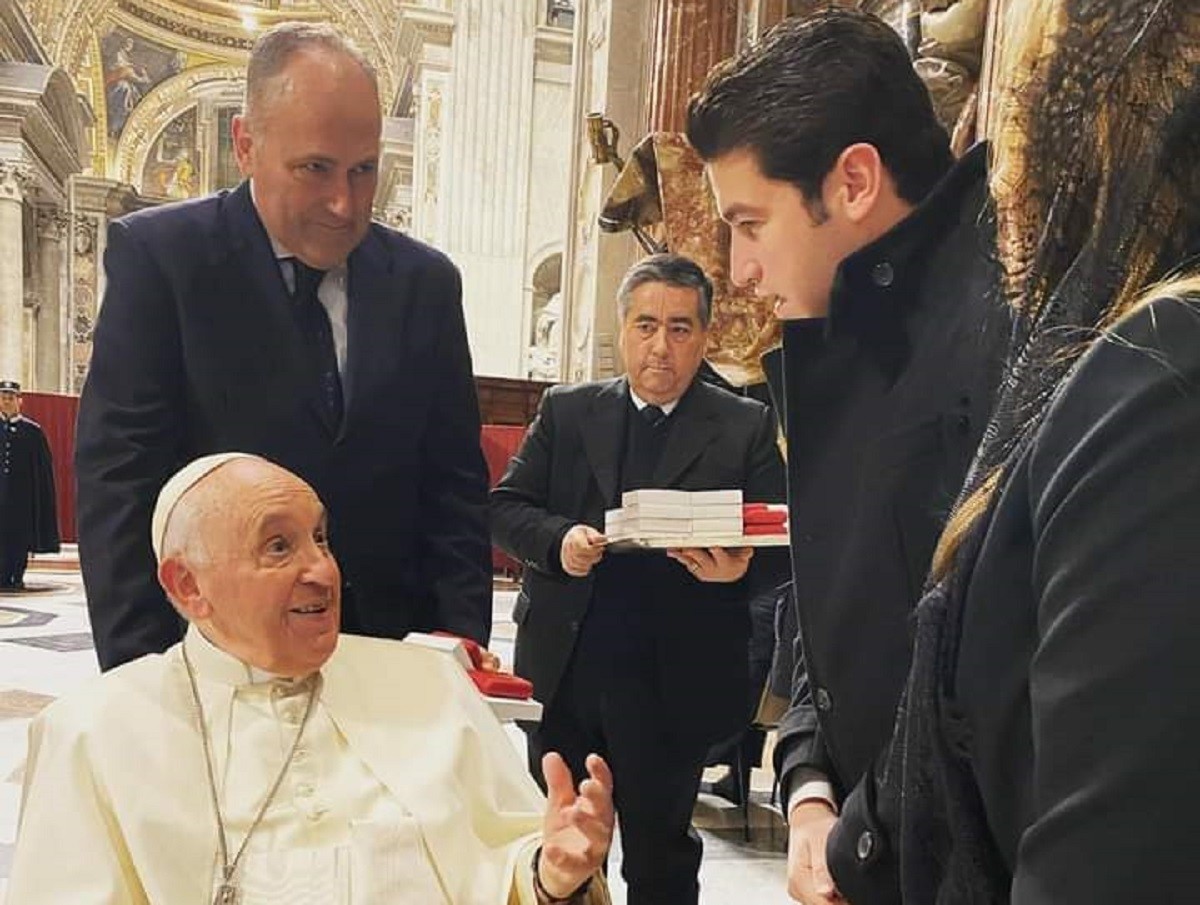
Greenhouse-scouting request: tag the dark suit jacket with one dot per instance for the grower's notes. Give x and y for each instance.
(196, 351)
(1068, 693)
(566, 473)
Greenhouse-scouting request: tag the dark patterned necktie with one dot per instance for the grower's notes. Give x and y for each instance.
(318, 334)
(653, 415)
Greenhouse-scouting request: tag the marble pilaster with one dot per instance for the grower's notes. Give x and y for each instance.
(609, 79)
(91, 206)
(14, 180)
(50, 352)
(690, 37)
(485, 173)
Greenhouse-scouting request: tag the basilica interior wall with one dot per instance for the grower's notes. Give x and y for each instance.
(486, 153)
(476, 96)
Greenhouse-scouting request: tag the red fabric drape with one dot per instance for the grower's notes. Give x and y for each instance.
(56, 415)
(500, 443)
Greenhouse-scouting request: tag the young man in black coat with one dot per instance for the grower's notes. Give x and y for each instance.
(845, 205)
(1045, 752)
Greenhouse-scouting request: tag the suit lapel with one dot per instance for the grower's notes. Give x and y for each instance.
(603, 431)
(252, 249)
(697, 426)
(377, 281)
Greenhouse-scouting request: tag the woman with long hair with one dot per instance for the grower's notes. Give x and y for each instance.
(1047, 749)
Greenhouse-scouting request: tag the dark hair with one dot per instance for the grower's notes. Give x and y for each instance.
(1096, 181)
(673, 270)
(812, 88)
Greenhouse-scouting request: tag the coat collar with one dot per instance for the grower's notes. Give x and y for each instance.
(377, 282)
(696, 426)
(875, 287)
(213, 665)
(603, 431)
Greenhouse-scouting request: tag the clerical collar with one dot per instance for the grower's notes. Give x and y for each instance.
(639, 403)
(215, 665)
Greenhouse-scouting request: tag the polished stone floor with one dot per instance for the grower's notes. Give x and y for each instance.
(45, 650)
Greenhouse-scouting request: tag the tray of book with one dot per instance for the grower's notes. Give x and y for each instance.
(663, 519)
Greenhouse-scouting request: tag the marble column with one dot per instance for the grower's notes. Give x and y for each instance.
(612, 43)
(689, 38)
(485, 173)
(14, 179)
(51, 227)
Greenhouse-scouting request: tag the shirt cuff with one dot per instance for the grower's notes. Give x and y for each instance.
(810, 785)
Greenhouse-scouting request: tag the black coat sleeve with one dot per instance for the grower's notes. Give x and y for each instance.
(798, 745)
(1115, 488)
(1112, 485)
(454, 501)
(128, 441)
(522, 523)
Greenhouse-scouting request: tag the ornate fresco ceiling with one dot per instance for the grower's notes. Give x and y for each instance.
(127, 56)
(217, 29)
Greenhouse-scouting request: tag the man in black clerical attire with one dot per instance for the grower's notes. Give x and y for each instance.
(638, 656)
(28, 519)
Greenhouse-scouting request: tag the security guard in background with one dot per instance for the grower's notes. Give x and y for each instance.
(28, 518)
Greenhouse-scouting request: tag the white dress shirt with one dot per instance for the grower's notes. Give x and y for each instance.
(332, 292)
(639, 403)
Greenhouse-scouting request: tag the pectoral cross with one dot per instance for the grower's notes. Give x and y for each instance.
(227, 894)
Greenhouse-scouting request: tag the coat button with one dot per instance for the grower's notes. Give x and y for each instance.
(824, 701)
(866, 845)
(882, 274)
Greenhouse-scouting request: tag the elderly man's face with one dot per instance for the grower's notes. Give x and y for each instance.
(10, 403)
(662, 341)
(271, 587)
(312, 150)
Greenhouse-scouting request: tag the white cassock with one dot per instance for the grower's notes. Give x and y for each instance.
(404, 787)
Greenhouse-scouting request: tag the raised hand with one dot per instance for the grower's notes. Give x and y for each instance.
(578, 827)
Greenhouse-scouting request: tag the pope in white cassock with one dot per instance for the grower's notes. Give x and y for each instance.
(264, 760)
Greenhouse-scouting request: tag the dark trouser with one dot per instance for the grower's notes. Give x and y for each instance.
(14, 555)
(609, 704)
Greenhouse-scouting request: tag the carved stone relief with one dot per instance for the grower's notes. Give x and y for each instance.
(15, 180)
(83, 295)
(429, 156)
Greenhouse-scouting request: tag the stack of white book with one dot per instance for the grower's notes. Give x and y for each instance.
(648, 515)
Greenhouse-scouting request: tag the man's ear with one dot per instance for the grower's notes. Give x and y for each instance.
(856, 181)
(179, 581)
(243, 145)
